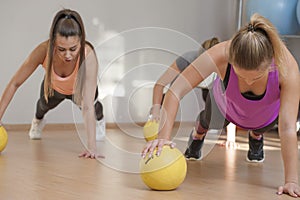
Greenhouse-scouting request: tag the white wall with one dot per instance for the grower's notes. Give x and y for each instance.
(26, 23)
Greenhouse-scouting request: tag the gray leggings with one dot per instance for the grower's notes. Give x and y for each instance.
(42, 107)
(212, 118)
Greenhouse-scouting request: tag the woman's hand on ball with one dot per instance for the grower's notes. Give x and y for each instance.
(157, 143)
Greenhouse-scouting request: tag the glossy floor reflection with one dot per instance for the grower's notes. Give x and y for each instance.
(50, 169)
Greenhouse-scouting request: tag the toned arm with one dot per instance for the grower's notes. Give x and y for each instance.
(35, 58)
(213, 60)
(289, 101)
(90, 85)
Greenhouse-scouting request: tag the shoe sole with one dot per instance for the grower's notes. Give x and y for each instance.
(35, 138)
(255, 161)
(193, 159)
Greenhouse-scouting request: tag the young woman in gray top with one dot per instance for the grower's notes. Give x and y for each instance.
(172, 73)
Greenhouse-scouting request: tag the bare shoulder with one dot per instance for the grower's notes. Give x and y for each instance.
(219, 55)
(289, 78)
(89, 48)
(91, 59)
(291, 68)
(39, 53)
(220, 52)
(42, 47)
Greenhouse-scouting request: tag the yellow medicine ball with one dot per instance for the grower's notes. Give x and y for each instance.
(150, 130)
(164, 172)
(3, 138)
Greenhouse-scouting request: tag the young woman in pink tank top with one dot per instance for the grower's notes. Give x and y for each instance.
(71, 70)
(257, 86)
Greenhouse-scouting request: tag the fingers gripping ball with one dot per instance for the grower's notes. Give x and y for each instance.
(3, 138)
(164, 172)
(150, 130)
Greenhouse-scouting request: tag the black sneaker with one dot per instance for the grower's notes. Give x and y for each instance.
(193, 152)
(256, 151)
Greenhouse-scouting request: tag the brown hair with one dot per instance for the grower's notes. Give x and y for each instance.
(66, 23)
(210, 43)
(256, 43)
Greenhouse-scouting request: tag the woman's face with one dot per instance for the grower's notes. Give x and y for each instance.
(67, 48)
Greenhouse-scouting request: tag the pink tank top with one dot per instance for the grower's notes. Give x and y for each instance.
(64, 85)
(245, 113)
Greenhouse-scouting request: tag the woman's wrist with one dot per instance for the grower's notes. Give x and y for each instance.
(92, 146)
(162, 136)
(155, 112)
(155, 107)
(291, 181)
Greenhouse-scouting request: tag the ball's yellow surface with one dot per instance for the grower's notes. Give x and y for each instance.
(164, 172)
(3, 138)
(150, 130)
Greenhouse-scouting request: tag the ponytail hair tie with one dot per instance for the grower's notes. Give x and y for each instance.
(251, 28)
(68, 16)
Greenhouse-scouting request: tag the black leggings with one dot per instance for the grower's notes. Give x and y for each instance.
(212, 118)
(42, 107)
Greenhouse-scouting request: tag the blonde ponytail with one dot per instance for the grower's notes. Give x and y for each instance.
(255, 43)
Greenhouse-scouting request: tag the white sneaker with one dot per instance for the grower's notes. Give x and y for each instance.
(37, 126)
(100, 130)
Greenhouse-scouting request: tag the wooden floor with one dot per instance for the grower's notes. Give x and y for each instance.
(50, 169)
